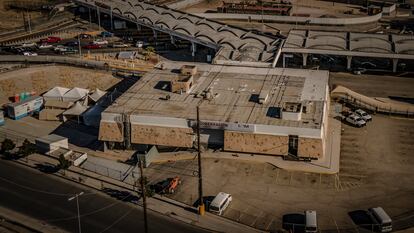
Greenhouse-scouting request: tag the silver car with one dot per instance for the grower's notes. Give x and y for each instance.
(365, 116)
(355, 120)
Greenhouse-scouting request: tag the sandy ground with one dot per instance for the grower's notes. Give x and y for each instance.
(11, 19)
(42, 78)
(375, 85)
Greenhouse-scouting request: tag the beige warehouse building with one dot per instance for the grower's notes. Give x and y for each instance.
(267, 111)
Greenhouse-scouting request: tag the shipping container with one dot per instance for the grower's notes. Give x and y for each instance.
(23, 108)
(1, 118)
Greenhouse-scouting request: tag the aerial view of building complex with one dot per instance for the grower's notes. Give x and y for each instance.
(287, 116)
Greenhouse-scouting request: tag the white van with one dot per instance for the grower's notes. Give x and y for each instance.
(381, 217)
(220, 203)
(311, 223)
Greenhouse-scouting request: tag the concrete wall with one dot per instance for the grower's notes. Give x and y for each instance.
(255, 143)
(160, 135)
(183, 4)
(310, 147)
(111, 131)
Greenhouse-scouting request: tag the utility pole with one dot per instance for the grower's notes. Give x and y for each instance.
(28, 18)
(77, 205)
(143, 194)
(201, 208)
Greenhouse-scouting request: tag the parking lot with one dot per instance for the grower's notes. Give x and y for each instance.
(375, 170)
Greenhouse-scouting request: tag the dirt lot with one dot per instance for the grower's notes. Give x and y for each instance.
(41, 78)
(376, 170)
(375, 85)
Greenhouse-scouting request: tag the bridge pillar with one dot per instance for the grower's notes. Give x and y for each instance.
(155, 36)
(99, 17)
(112, 21)
(394, 64)
(172, 39)
(305, 59)
(138, 26)
(348, 62)
(193, 48)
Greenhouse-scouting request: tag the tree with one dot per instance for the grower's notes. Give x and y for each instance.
(7, 145)
(27, 148)
(63, 162)
(150, 50)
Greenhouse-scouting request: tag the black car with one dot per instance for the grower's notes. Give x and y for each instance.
(72, 43)
(161, 186)
(294, 223)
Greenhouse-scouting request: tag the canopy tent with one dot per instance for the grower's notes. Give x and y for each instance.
(55, 93)
(96, 95)
(76, 110)
(75, 94)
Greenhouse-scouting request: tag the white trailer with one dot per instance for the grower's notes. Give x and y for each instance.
(24, 108)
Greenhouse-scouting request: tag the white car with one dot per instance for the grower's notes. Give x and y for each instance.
(30, 54)
(118, 45)
(139, 44)
(28, 45)
(356, 120)
(45, 46)
(365, 116)
(100, 42)
(59, 48)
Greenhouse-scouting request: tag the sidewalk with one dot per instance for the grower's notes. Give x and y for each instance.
(157, 203)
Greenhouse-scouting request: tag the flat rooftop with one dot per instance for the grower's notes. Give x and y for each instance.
(234, 92)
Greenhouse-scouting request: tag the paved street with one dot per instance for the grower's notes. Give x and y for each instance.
(45, 197)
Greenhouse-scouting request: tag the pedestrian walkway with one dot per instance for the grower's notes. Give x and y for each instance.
(160, 204)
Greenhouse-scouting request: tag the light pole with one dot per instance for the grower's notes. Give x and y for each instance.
(77, 205)
(79, 45)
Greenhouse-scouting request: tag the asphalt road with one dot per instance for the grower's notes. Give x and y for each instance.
(44, 197)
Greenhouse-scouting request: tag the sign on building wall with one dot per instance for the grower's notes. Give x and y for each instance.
(225, 126)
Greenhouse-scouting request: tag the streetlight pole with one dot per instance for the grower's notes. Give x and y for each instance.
(143, 194)
(201, 208)
(77, 205)
(79, 45)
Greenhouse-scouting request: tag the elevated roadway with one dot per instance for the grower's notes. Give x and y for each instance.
(232, 44)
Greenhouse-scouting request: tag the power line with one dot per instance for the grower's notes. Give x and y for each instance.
(40, 191)
(116, 221)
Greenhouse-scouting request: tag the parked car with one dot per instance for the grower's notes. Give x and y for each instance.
(30, 54)
(167, 186)
(355, 120)
(27, 45)
(107, 34)
(381, 218)
(45, 46)
(68, 50)
(220, 203)
(85, 36)
(92, 46)
(359, 71)
(60, 48)
(118, 45)
(51, 39)
(364, 115)
(139, 44)
(100, 42)
(72, 43)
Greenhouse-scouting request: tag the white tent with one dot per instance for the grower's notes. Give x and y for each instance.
(76, 110)
(55, 93)
(96, 95)
(75, 94)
